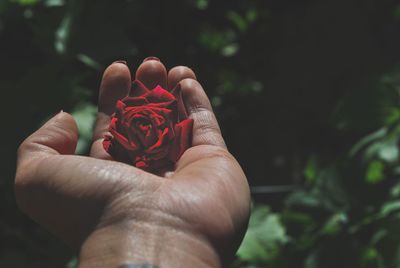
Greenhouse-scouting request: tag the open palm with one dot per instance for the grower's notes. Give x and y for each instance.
(206, 196)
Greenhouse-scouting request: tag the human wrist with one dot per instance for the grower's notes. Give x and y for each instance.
(146, 243)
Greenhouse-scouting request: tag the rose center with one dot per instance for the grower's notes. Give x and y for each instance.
(144, 126)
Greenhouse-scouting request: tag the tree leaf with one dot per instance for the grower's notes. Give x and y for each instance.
(367, 140)
(263, 238)
(375, 172)
(84, 115)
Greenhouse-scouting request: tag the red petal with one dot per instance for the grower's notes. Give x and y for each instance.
(107, 142)
(113, 123)
(182, 141)
(135, 101)
(142, 165)
(123, 141)
(160, 141)
(159, 95)
(119, 106)
(138, 89)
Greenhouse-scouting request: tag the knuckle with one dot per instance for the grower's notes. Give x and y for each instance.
(206, 122)
(24, 150)
(206, 119)
(189, 83)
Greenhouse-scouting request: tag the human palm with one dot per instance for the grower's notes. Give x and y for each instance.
(206, 196)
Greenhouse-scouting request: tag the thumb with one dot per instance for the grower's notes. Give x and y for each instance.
(48, 183)
(58, 136)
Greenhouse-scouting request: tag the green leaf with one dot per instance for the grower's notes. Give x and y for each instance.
(389, 208)
(263, 238)
(369, 255)
(381, 133)
(54, 3)
(239, 21)
(334, 223)
(84, 115)
(385, 150)
(312, 260)
(251, 15)
(217, 40)
(375, 172)
(311, 169)
(230, 50)
(73, 263)
(302, 199)
(90, 62)
(26, 2)
(62, 34)
(393, 116)
(389, 151)
(378, 236)
(202, 4)
(395, 191)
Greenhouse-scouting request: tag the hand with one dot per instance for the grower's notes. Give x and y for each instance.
(115, 213)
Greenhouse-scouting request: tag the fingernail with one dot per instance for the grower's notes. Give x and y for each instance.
(151, 58)
(121, 61)
(58, 114)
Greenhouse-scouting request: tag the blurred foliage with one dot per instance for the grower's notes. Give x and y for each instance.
(264, 237)
(307, 94)
(346, 214)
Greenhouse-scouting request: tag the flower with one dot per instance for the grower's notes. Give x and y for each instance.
(149, 128)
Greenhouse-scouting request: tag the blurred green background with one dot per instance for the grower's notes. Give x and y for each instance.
(306, 91)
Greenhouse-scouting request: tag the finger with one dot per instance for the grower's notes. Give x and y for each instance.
(152, 73)
(178, 74)
(115, 85)
(206, 130)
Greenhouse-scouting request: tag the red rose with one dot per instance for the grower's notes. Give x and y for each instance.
(149, 128)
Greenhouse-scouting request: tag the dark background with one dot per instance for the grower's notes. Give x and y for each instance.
(307, 94)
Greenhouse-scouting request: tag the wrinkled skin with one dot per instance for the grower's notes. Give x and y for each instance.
(89, 200)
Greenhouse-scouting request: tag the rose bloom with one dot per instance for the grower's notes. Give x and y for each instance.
(149, 128)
